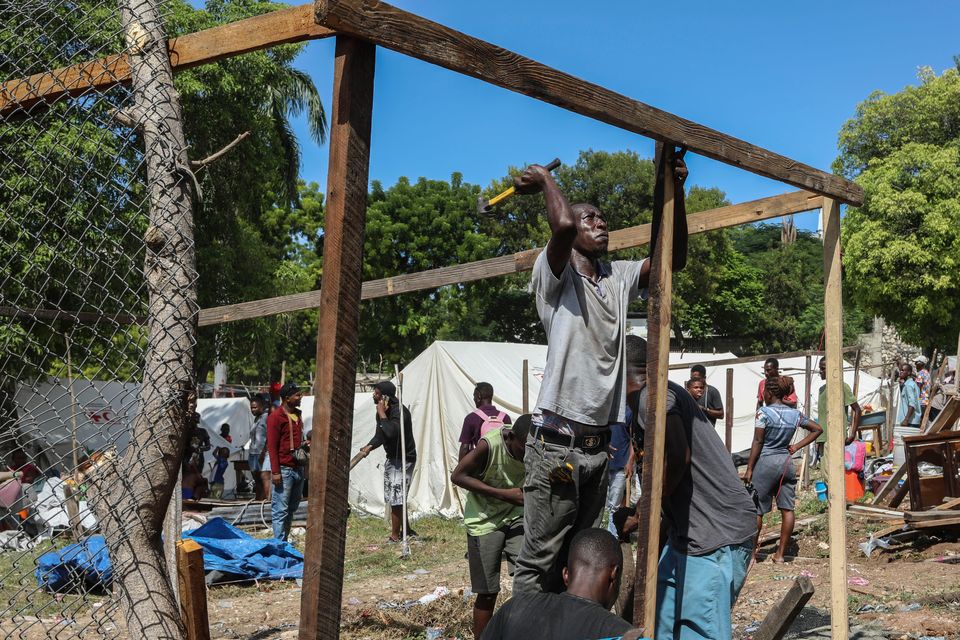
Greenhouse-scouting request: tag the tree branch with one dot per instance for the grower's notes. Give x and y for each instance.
(197, 165)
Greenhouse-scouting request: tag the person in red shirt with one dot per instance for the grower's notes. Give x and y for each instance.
(19, 462)
(771, 369)
(284, 436)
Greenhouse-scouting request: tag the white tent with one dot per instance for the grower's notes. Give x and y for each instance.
(104, 412)
(438, 389)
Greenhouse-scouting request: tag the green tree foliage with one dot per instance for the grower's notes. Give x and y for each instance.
(902, 247)
(256, 236)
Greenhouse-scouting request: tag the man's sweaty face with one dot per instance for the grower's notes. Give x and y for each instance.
(592, 234)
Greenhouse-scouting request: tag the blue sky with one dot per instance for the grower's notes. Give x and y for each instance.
(783, 75)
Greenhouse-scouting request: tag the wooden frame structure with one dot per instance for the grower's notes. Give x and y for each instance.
(360, 27)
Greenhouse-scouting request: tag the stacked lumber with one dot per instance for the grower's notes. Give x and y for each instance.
(941, 516)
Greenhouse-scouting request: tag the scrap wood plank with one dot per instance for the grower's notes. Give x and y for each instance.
(949, 503)
(284, 26)
(933, 515)
(873, 511)
(418, 37)
(778, 620)
(775, 535)
(935, 523)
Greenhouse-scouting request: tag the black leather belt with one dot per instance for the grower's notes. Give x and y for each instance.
(588, 442)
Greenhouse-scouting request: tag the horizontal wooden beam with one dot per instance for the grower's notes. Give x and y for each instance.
(418, 37)
(733, 215)
(284, 26)
(79, 317)
(763, 358)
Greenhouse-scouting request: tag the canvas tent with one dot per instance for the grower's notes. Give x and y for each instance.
(104, 412)
(438, 389)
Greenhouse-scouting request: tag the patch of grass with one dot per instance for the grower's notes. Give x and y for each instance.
(368, 554)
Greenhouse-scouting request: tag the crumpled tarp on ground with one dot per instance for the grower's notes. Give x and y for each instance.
(228, 555)
(82, 566)
(239, 556)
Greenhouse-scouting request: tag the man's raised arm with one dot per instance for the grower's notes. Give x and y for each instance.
(563, 223)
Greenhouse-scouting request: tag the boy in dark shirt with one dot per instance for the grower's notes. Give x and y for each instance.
(592, 578)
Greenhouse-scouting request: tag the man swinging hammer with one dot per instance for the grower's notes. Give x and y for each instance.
(582, 302)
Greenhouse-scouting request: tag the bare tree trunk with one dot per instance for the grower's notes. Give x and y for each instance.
(132, 496)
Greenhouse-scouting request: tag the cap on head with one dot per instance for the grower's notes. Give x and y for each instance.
(921, 359)
(288, 390)
(387, 388)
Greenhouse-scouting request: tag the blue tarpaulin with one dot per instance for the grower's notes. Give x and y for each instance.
(82, 566)
(229, 552)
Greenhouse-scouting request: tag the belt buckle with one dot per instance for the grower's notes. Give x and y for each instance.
(591, 442)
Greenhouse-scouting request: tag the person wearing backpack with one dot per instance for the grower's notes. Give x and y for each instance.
(486, 417)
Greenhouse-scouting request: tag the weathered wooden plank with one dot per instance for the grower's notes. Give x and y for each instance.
(778, 620)
(420, 38)
(337, 337)
(284, 26)
(193, 589)
(836, 430)
(733, 215)
(658, 357)
(762, 358)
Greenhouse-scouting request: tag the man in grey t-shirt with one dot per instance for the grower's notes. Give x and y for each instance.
(711, 517)
(582, 302)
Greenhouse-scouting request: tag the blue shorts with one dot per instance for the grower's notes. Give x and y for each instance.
(695, 594)
(254, 462)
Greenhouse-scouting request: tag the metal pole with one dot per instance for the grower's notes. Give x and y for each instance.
(405, 547)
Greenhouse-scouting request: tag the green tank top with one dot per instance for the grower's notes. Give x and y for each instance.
(482, 514)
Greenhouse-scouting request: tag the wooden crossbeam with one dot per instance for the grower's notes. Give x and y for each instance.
(630, 237)
(418, 37)
(295, 24)
(762, 358)
(730, 216)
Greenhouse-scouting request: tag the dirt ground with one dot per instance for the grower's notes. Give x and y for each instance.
(909, 592)
(906, 593)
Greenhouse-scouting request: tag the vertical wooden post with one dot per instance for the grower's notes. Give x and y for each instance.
(836, 431)
(856, 376)
(337, 338)
(192, 589)
(658, 364)
(526, 386)
(807, 397)
(728, 416)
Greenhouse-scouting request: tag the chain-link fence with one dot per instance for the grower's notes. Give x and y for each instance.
(97, 317)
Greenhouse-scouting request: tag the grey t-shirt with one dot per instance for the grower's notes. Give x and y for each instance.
(711, 400)
(710, 508)
(585, 377)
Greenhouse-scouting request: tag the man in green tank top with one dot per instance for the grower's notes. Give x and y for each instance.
(493, 475)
